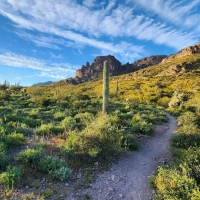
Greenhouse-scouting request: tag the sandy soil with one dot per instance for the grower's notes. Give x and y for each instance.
(129, 178)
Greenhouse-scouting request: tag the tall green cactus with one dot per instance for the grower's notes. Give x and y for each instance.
(105, 87)
(116, 89)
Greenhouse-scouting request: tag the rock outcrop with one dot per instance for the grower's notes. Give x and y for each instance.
(179, 68)
(184, 52)
(94, 71)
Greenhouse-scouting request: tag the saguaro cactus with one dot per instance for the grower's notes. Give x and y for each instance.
(116, 89)
(105, 87)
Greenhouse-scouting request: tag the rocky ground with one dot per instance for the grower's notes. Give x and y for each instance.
(129, 178)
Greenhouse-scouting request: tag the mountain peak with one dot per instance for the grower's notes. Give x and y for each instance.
(94, 71)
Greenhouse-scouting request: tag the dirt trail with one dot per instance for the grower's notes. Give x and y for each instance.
(129, 178)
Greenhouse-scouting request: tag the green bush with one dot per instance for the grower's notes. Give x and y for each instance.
(174, 184)
(45, 129)
(55, 167)
(164, 101)
(188, 123)
(4, 96)
(128, 142)
(4, 158)
(191, 164)
(14, 139)
(187, 118)
(9, 178)
(59, 116)
(69, 123)
(185, 141)
(57, 129)
(142, 127)
(31, 155)
(177, 99)
(101, 137)
(32, 123)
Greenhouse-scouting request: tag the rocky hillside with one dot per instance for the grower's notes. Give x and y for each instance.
(184, 52)
(94, 71)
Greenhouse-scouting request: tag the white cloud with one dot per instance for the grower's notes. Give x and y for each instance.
(48, 41)
(78, 24)
(89, 3)
(178, 12)
(53, 70)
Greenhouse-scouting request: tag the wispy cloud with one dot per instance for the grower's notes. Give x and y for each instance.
(53, 70)
(89, 3)
(86, 25)
(181, 13)
(48, 41)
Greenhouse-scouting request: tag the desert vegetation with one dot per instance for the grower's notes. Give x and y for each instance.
(58, 133)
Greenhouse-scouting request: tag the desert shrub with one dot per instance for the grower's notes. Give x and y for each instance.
(42, 101)
(55, 167)
(101, 137)
(83, 119)
(193, 103)
(9, 178)
(4, 157)
(4, 95)
(188, 123)
(59, 115)
(187, 118)
(3, 146)
(45, 129)
(164, 101)
(188, 129)
(4, 129)
(11, 117)
(14, 139)
(127, 141)
(185, 141)
(142, 127)
(57, 129)
(32, 123)
(11, 124)
(69, 123)
(31, 155)
(174, 184)
(177, 99)
(33, 113)
(191, 164)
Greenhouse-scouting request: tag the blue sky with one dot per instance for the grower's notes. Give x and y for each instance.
(47, 40)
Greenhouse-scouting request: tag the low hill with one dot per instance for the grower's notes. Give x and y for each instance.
(43, 83)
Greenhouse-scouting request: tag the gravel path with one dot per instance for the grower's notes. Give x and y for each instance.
(129, 178)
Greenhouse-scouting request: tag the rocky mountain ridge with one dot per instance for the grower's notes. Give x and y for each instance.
(92, 72)
(184, 52)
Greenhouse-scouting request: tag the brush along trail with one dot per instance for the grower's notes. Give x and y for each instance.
(129, 178)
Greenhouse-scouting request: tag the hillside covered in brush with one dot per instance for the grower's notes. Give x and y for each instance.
(153, 85)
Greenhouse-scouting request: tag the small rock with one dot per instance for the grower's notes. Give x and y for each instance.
(113, 177)
(43, 180)
(79, 176)
(96, 163)
(26, 187)
(120, 195)
(66, 184)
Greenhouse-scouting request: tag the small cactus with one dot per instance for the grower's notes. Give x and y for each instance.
(105, 87)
